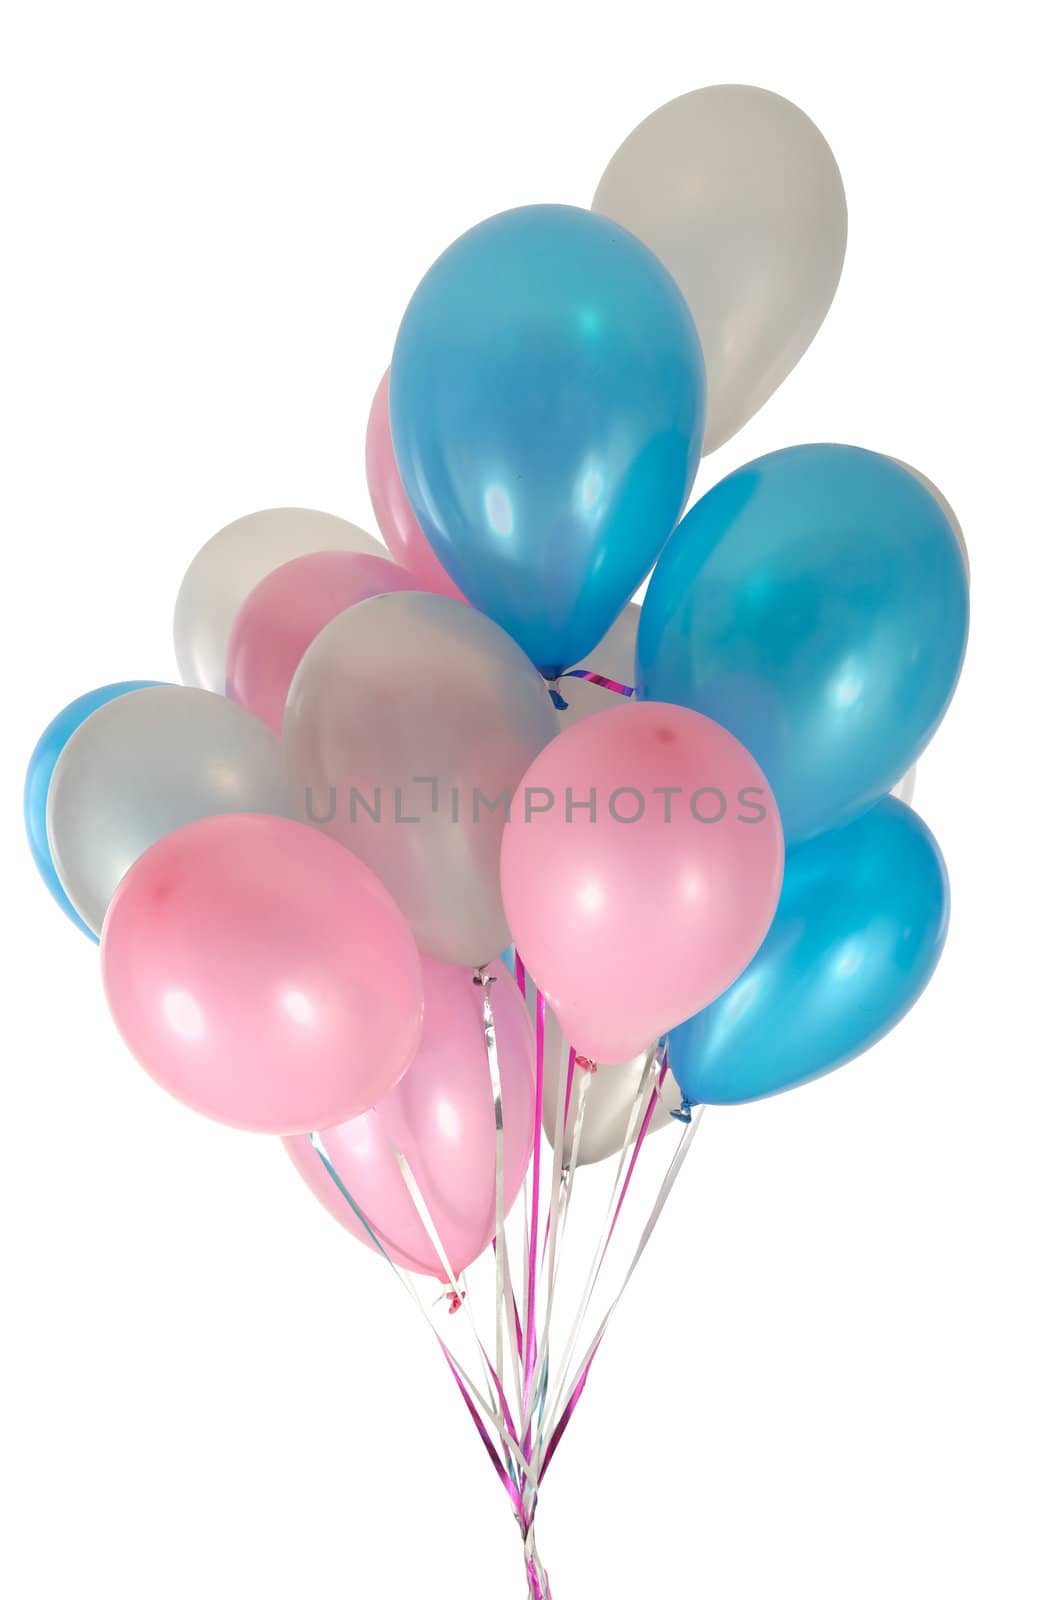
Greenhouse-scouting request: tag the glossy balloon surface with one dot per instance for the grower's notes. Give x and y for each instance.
(411, 721)
(143, 765)
(640, 870)
(737, 192)
(547, 407)
(283, 615)
(229, 566)
(262, 975)
(814, 603)
(440, 1117)
(861, 923)
(46, 753)
(395, 516)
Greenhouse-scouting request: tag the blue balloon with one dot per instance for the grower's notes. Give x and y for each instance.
(547, 412)
(815, 604)
(860, 926)
(48, 749)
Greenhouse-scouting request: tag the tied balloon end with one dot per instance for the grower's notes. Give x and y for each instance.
(453, 1298)
(683, 1114)
(482, 978)
(560, 703)
(585, 1064)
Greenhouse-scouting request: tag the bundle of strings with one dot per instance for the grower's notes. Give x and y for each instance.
(532, 1374)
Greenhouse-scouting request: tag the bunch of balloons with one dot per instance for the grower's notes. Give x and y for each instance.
(307, 864)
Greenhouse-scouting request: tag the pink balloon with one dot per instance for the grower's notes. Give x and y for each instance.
(285, 612)
(262, 974)
(635, 916)
(441, 1117)
(401, 530)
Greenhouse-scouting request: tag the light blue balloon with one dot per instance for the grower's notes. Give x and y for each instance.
(815, 604)
(858, 931)
(48, 749)
(547, 402)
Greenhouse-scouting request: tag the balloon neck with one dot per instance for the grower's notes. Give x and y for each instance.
(585, 1064)
(560, 703)
(482, 977)
(684, 1111)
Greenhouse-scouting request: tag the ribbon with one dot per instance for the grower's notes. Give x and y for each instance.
(600, 680)
(589, 677)
(531, 1354)
(483, 979)
(574, 1394)
(635, 1122)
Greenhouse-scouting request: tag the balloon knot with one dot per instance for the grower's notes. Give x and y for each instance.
(455, 1300)
(683, 1114)
(482, 977)
(585, 1064)
(560, 703)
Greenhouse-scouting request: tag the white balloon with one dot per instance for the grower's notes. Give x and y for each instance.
(230, 565)
(737, 192)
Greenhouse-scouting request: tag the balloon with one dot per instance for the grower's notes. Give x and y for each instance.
(441, 1118)
(860, 926)
(143, 765)
(739, 195)
(262, 975)
(411, 720)
(283, 615)
(228, 567)
(391, 505)
(46, 753)
(547, 407)
(610, 1095)
(814, 603)
(640, 871)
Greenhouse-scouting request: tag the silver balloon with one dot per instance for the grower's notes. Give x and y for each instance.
(410, 721)
(230, 565)
(611, 1093)
(143, 765)
(737, 192)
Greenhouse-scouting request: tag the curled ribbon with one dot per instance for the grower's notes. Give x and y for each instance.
(589, 677)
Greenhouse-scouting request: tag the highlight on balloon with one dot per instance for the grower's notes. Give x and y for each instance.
(458, 872)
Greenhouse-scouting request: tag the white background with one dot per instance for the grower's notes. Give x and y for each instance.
(837, 1374)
